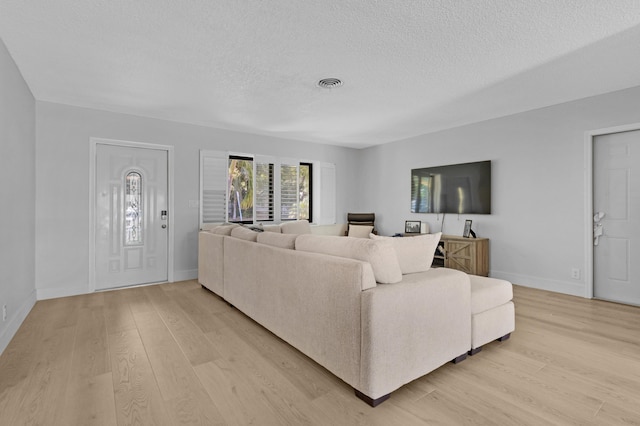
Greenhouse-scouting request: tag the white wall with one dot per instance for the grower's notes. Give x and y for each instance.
(538, 201)
(17, 195)
(62, 202)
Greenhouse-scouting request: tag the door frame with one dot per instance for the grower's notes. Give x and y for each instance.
(93, 159)
(589, 139)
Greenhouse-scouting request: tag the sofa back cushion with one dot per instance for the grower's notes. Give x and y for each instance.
(244, 233)
(360, 231)
(272, 228)
(379, 253)
(415, 254)
(296, 227)
(224, 229)
(278, 240)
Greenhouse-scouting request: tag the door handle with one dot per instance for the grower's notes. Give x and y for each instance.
(164, 226)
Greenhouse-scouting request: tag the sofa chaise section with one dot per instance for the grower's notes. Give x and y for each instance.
(211, 261)
(411, 328)
(492, 311)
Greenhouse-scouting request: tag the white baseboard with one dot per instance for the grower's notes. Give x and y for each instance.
(52, 293)
(574, 288)
(185, 275)
(15, 321)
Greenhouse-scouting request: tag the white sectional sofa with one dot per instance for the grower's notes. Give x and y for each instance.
(345, 302)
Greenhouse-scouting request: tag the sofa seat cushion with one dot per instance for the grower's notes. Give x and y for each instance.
(380, 254)
(287, 241)
(415, 254)
(488, 293)
(244, 233)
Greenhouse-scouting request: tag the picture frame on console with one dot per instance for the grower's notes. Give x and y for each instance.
(467, 228)
(412, 226)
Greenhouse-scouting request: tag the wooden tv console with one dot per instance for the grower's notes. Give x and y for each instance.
(470, 255)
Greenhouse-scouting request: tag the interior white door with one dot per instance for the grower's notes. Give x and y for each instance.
(131, 216)
(616, 203)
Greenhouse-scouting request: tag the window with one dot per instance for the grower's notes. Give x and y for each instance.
(264, 191)
(306, 190)
(133, 209)
(296, 191)
(289, 192)
(248, 189)
(240, 190)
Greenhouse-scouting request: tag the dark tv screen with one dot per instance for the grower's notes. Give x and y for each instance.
(457, 188)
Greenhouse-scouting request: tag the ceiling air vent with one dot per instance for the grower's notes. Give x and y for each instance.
(330, 83)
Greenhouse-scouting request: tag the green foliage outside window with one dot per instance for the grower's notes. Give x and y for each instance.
(240, 190)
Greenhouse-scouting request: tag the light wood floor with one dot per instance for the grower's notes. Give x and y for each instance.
(176, 354)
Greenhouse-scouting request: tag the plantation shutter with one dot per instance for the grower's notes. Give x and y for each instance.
(289, 190)
(213, 187)
(264, 189)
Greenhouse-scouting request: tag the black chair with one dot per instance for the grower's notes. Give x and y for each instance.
(361, 219)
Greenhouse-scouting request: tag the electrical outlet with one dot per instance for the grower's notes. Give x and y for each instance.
(4, 312)
(575, 273)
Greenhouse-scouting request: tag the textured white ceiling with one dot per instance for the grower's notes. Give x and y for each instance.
(409, 66)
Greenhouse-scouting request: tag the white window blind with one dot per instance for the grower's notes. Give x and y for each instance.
(264, 189)
(289, 191)
(213, 184)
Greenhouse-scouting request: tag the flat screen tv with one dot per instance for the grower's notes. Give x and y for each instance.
(457, 188)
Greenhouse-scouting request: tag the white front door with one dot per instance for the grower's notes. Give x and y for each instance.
(131, 216)
(616, 198)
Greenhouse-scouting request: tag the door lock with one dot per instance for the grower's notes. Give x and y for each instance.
(598, 230)
(163, 215)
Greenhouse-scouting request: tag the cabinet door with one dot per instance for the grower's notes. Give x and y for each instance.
(461, 256)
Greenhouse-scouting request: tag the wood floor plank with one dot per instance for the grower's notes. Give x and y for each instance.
(203, 308)
(287, 400)
(117, 313)
(189, 337)
(91, 349)
(555, 400)
(90, 401)
(603, 390)
(89, 395)
(41, 400)
(137, 397)
(614, 414)
(305, 374)
(442, 408)
(489, 402)
(236, 399)
(179, 386)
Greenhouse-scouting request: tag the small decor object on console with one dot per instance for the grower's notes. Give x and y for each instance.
(424, 228)
(468, 232)
(412, 227)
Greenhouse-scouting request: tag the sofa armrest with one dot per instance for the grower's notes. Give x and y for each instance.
(211, 261)
(413, 327)
(310, 300)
